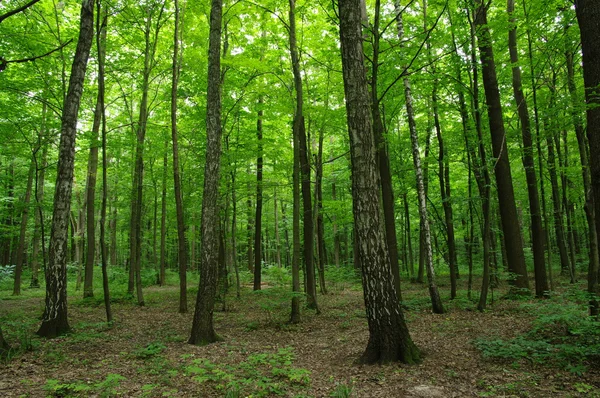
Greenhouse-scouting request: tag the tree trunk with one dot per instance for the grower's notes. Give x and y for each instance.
(202, 328)
(436, 301)
(259, 198)
(101, 47)
(537, 232)
(39, 233)
(163, 221)
(23, 231)
(593, 265)
(54, 319)
(181, 244)
(90, 205)
(389, 339)
(383, 160)
(506, 198)
(300, 132)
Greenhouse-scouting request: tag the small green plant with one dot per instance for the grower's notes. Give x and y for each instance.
(151, 350)
(342, 391)
(104, 389)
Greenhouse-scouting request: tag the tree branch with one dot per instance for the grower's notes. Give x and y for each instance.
(17, 10)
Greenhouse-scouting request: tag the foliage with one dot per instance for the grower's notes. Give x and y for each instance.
(561, 335)
(149, 351)
(105, 388)
(261, 374)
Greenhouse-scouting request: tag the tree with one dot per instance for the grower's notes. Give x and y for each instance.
(54, 319)
(389, 339)
(537, 232)
(506, 197)
(588, 15)
(202, 328)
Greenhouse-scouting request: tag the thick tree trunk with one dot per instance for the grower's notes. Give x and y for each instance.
(54, 319)
(202, 328)
(594, 263)
(506, 197)
(588, 15)
(389, 339)
(537, 232)
(318, 213)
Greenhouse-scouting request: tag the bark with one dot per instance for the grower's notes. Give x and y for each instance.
(300, 132)
(202, 328)
(9, 220)
(383, 160)
(259, 198)
(4, 347)
(249, 231)
(90, 205)
(39, 233)
(389, 339)
(276, 222)
(318, 212)
(588, 15)
(54, 319)
(506, 198)
(537, 232)
(100, 45)
(411, 261)
(594, 263)
(436, 301)
(163, 222)
(181, 244)
(23, 231)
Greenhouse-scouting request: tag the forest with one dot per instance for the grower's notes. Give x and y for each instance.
(256, 198)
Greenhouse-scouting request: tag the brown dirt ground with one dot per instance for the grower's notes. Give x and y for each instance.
(327, 345)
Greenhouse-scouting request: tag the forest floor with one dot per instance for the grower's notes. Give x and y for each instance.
(145, 352)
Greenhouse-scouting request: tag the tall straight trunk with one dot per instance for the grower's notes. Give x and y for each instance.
(113, 231)
(594, 263)
(562, 158)
(300, 132)
(23, 231)
(234, 255)
(135, 235)
(202, 328)
(163, 221)
(39, 233)
(556, 202)
(276, 222)
(436, 301)
(389, 339)
(506, 197)
(411, 261)
(383, 160)
(318, 212)
(588, 15)
(100, 45)
(259, 197)
(181, 244)
(54, 319)
(336, 235)
(9, 219)
(90, 202)
(249, 230)
(537, 232)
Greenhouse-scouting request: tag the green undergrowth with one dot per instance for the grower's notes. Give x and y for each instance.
(66, 389)
(259, 375)
(562, 335)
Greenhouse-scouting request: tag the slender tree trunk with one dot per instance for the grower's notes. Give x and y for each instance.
(23, 231)
(383, 160)
(436, 301)
(39, 235)
(54, 319)
(300, 131)
(506, 198)
(389, 339)
(259, 197)
(409, 238)
(202, 328)
(181, 244)
(163, 220)
(537, 232)
(100, 45)
(90, 203)
(318, 213)
(249, 230)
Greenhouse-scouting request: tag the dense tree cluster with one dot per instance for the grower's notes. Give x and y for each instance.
(403, 139)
